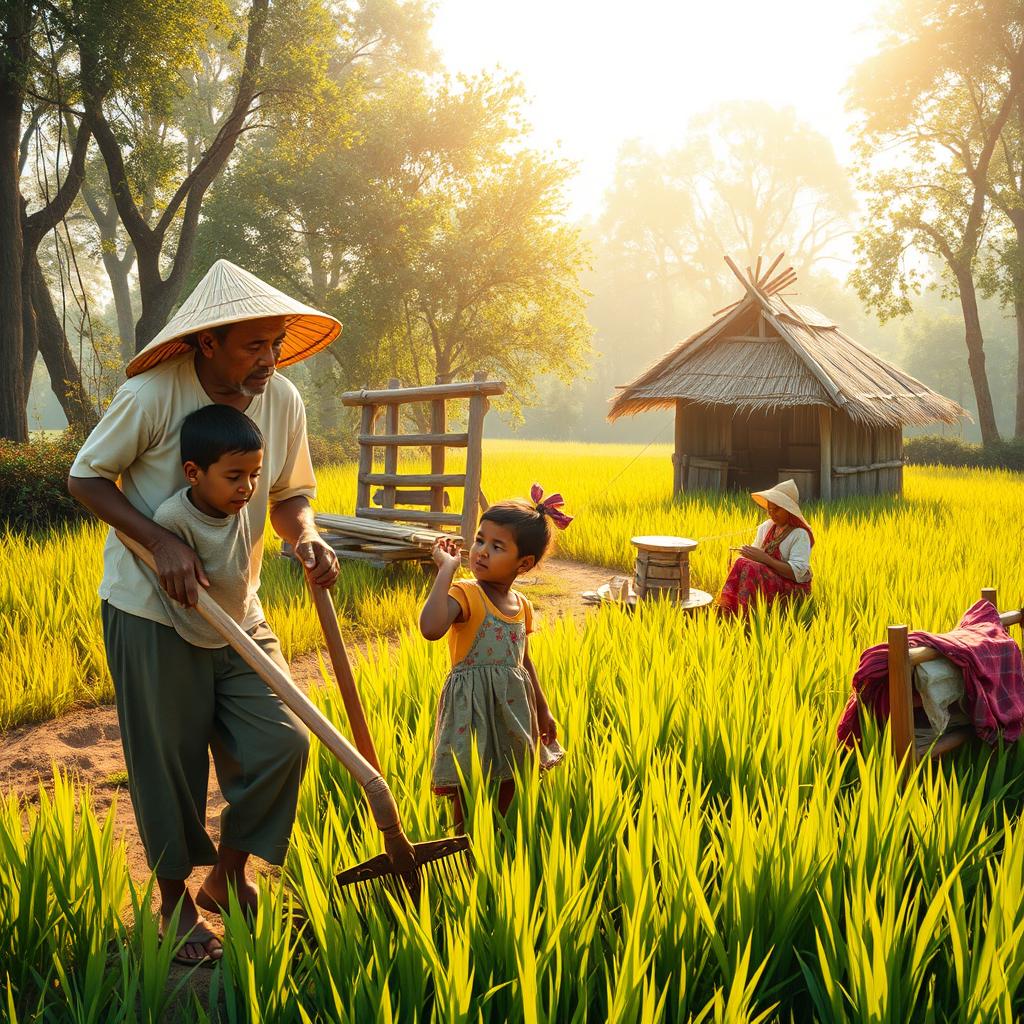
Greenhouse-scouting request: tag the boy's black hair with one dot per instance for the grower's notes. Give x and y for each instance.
(532, 530)
(215, 430)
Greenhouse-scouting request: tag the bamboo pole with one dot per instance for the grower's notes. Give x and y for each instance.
(371, 440)
(825, 453)
(391, 422)
(678, 461)
(474, 465)
(401, 396)
(390, 515)
(438, 425)
(417, 479)
(366, 428)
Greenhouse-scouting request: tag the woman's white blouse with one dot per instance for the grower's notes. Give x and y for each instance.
(795, 549)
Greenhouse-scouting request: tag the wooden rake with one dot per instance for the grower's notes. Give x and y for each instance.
(401, 867)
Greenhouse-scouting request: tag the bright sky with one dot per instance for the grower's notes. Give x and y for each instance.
(599, 73)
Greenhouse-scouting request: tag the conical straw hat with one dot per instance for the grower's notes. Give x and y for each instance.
(228, 295)
(785, 494)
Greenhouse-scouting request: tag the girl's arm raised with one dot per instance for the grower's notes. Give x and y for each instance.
(546, 724)
(440, 610)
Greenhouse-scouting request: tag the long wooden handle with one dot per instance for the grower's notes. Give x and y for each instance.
(343, 673)
(382, 804)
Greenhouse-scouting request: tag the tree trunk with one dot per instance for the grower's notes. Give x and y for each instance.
(29, 332)
(117, 267)
(1018, 309)
(117, 274)
(65, 375)
(157, 302)
(976, 357)
(13, 396)
(1017, 217)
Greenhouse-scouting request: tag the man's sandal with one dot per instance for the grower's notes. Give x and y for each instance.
(198, 935)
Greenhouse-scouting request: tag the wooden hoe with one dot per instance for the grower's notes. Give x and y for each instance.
(399, 869)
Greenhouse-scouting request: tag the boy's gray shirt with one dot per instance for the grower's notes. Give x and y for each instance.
(225, 549)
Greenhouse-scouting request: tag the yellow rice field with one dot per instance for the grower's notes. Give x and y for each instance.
(705, 854)
(877, 561)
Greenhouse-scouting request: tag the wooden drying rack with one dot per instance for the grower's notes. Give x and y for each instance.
(401, 520)
(902, 660)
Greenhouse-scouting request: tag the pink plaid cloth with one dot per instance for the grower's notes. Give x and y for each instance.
(992, 668)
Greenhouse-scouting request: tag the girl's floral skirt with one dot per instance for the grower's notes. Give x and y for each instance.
(491, 706)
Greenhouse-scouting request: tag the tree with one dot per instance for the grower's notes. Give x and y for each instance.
(748, 180)
(934, 102)
(765, 182)
(423, 224)
(151, 234)
(1004, 271)
(21, 231)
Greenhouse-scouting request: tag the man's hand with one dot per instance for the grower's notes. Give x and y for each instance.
(319, 560)
(179, 570)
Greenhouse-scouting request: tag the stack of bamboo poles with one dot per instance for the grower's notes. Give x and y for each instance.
(376, 543)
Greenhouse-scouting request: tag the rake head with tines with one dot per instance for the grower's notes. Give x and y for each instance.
(449, 860)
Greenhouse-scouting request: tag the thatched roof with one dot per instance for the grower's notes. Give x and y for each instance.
(805, 359)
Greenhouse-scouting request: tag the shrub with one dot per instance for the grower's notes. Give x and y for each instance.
(328, 451)
(933, 450)
(33, 483)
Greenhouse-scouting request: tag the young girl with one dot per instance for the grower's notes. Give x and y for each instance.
(492, 694)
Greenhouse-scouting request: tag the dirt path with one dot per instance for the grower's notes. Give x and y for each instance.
(87, 742)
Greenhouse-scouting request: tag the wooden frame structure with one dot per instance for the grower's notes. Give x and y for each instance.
(902, 660)
(421, 497)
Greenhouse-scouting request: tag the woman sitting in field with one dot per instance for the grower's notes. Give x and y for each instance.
(777, 565)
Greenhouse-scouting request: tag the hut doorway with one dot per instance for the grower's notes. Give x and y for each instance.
(773, 445)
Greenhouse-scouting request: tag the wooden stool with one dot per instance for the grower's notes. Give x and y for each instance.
(663, 570)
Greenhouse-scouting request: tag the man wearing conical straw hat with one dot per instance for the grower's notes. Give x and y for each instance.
(177, 701)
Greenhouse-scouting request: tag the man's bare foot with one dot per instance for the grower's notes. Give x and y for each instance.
(213, 895)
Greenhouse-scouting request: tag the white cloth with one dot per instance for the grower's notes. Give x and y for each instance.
(794, 549)
(941, 686)
(137, 444)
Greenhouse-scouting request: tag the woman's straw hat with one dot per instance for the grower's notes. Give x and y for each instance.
(785, 495)
(228, 295)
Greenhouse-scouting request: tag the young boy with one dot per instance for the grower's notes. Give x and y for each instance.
(221, 455)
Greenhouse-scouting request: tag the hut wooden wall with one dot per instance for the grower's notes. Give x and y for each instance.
(758, 441)
(800, 440)
(865, 460)
(702, 432)
(759, 444)
(707, 431)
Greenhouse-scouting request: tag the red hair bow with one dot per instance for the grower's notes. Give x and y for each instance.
(550, 506)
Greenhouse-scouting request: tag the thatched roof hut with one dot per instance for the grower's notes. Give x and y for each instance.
(772, 390)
